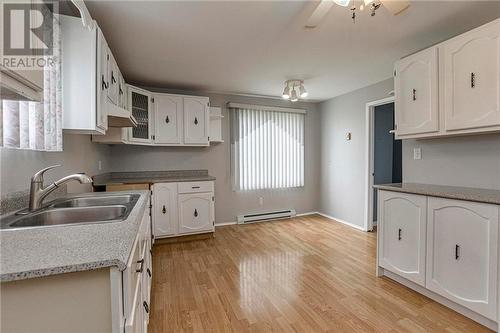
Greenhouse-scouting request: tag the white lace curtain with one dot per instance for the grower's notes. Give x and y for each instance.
(37, 125)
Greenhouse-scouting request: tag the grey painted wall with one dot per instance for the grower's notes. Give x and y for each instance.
(216, 159)
(471, 161)
(342, 189)
(79, 155)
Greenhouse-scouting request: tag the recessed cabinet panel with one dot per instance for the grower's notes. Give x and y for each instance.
(168, 118)
(472, 80)
(195, 212)
(402, 220)
(416, 91)
(462, 245)
(164, 209)
(196, 121)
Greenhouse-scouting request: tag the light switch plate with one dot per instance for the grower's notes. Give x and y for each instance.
(417, 153)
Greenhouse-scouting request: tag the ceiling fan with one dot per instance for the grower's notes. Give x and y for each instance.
(396, 7)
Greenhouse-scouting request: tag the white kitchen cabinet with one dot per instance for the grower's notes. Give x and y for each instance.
(416, 91)
(402, 221)
(85, 77)
(195, 213)
(216, 124)
(113, 75)
(168, 111)
(183, 208)
(140, 106)
(196, 120)
(164, 209)
(462, 247)
(471, 79)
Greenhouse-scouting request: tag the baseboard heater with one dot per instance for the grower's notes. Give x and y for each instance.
(266, 216)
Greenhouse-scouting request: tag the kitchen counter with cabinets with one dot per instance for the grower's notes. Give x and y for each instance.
(441, 191)
(443, 242)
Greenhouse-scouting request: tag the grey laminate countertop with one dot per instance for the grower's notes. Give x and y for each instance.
(144, 177)
(35, 252)
(451, 192)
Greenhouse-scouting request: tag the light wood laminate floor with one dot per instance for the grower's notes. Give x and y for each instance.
(306, 274)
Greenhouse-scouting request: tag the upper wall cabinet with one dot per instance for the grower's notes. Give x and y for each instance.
(85, 77)
(140, 106)
(471, 79)
(452, 88)
(196, 121)
(168, 119)
(416, 90)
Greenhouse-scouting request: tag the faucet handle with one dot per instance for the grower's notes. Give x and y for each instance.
(38, 176)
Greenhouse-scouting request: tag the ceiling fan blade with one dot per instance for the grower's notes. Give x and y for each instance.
(318, 14)
(396, 7)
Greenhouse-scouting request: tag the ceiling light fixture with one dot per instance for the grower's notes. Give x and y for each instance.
(290, 91)
(343, 3)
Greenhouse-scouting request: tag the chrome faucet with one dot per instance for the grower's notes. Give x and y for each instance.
(38, 192)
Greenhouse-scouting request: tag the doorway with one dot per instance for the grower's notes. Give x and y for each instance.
(383, 154)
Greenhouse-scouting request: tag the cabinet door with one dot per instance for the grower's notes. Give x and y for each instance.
(102, 82)
(462, 245)
(416, 91)
(196, 212)
(164, 209)
(196, 119)
(168, 118)
(472, 79)
(135, 319)
(139, 105)
(402, 231)
(113, 79)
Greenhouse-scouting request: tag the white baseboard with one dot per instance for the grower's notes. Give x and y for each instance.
(224, 223)
(342, 221)
(307, 213)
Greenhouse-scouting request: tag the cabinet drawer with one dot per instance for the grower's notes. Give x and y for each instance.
(196, 187)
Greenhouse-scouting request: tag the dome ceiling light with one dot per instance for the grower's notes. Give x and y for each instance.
(290, 92)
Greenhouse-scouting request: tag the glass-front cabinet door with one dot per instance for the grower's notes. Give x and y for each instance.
(140, 106)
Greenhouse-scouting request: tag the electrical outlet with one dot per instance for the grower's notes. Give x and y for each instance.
(261, 201)
(417, 153)
(99, 165)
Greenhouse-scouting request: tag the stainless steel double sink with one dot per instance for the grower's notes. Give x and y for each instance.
(76, 210)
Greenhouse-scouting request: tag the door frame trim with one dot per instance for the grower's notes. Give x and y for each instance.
(369, 159)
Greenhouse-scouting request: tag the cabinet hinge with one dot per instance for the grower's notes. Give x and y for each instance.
(208, 138)
(213, 198)
(107, 57)
(394, 72)
(152, 99)
(152, 137)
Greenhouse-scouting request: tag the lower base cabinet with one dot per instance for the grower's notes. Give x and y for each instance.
(462, 247)
(183, 208)
(449, 247)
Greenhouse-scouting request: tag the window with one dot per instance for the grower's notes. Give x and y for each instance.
(267, 146)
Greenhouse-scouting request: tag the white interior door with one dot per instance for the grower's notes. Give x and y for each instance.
(472, 79)
(164, 209)
(168, 118)
(195, 212)
(402, 221)
(416, 93)
(196, 121)
(462, 245)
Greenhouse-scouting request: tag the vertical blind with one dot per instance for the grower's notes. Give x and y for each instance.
(268, 149)
(37, 125)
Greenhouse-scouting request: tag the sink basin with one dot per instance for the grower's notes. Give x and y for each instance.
(51, 217)
(97, 201)
(76, 210)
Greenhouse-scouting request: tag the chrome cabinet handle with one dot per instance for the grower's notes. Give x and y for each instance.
(472, 80)
(195, 213)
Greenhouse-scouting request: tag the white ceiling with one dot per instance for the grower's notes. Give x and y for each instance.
(253, 47)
